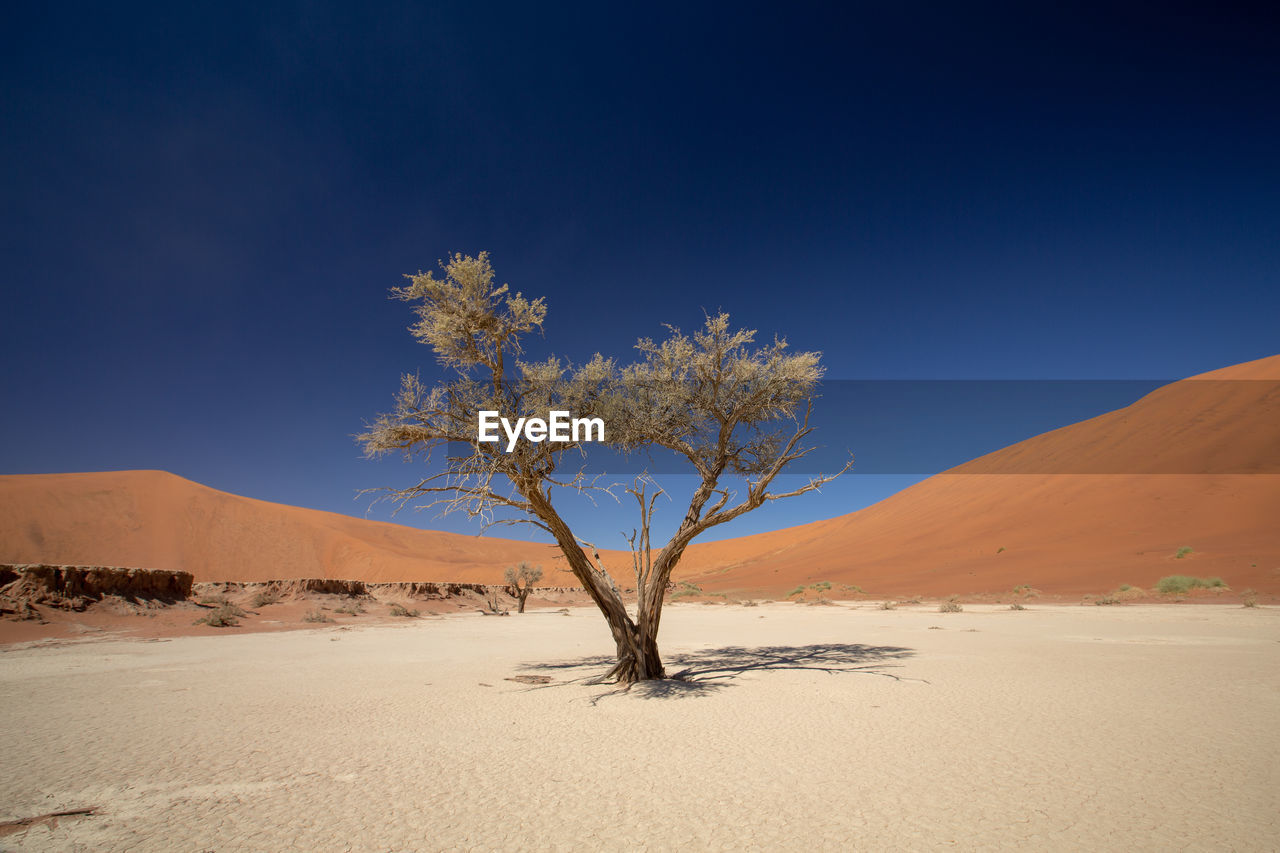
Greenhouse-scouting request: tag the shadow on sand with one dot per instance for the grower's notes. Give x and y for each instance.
(710, 670)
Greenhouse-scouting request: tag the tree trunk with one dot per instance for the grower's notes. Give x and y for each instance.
(638, 658)
(521, 596)
(637, 645)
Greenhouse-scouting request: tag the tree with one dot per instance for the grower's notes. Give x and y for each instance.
(730, 409)
(521, 579)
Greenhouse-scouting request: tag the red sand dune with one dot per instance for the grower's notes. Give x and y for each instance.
(153, 519)
(968, 530)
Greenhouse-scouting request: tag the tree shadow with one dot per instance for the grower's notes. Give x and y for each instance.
(707, 671)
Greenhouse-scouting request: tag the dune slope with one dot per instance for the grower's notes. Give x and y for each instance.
(153, 519)
(1193, 464)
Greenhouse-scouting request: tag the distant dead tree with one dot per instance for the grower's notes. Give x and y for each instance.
(493, 601)
(728, 408)
(520, 579)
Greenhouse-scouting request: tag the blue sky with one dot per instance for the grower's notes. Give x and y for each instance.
(204, 207)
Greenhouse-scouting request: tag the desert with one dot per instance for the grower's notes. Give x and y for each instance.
(508, 426)
(879, 679)
(1056, 727)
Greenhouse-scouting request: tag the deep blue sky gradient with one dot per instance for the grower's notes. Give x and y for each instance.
(205, 205)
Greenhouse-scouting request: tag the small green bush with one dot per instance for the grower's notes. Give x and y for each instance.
(401, 610)
(1106, 600)
(1183, 552)
(262, 599)
(316, 616)
(1124, 587)
(1171, 584)
(1181, 584)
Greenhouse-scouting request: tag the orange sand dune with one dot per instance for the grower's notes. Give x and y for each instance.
(153, 519)
(986, 526)
(971, 530)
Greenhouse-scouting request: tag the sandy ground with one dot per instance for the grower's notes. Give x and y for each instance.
(1054, 728)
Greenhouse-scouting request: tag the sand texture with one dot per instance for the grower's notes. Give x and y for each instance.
(1077, 510)
(834, 728)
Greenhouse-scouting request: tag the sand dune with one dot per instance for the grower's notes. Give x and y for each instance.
(1194, 464)
(153, 519)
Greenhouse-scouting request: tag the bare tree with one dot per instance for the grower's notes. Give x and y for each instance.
(730, 409)
(493, 602)
(521, 579)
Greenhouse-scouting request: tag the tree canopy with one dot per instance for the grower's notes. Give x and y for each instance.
(731, 408)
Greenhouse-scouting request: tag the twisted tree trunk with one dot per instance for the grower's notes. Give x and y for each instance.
(636, 641)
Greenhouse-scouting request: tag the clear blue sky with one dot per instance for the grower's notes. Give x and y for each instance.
(205, 205)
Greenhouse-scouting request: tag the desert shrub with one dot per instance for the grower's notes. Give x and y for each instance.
(1124, 587)
(1000, 549)
(1184, 551)
(262, 599)
(213, 600)
(225, 615)
(1106, 600)
(820, 587)
(913, 600)
(749, 602)
(950, 607)
(355, 608)
(852, 587)
(685, 589)
(888, 605)
(1174, 584)
(316, 616)
(1016, 606)
(401, 610)
(1179, 584)
(1249, 598)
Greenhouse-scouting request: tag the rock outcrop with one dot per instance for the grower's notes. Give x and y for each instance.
(76, 587)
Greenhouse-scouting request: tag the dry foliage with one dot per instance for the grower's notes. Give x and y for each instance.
(520, 579)
(728, 407)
